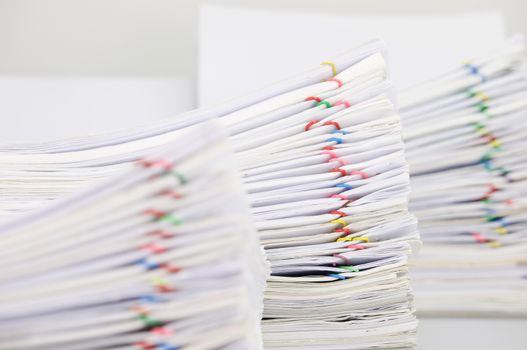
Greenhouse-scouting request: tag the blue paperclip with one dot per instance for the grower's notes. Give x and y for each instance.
(335, 139)
(149, 265)
(338, 131)
(166, 346)
(474, 70)
(150, 299)
(345, 186)
(487, 164)
(502, 222)
(336, 275)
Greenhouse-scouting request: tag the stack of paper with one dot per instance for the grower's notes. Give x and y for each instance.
(323, 162)
(328, 185)
(160, 256)
(466, 139)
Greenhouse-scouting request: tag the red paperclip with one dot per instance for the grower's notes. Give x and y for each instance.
(310, 124)
(336, 124)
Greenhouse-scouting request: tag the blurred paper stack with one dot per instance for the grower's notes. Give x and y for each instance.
(322, 158)
(466, 142)
(160, 256)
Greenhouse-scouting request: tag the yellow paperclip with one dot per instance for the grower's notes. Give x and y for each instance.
(339, 221)
(496, 143)
(483, 131)
(359, 238)
(159, 282)
(502, 230)
(332, 65)
(481, 95)
(494, 244)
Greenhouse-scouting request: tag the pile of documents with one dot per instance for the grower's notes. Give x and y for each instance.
(466, 142)
(328, 186)
(322, 159)
(162, 255)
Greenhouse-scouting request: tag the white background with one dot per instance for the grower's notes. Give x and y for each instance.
(137, 39)
(35, 109)
(243, 50)
(159, 37)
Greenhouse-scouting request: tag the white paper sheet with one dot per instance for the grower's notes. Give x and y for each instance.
(241, 50)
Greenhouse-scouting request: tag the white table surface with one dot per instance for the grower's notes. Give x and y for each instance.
(472, 334)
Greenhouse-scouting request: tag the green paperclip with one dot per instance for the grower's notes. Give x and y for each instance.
(171, 219)
(471, 93)
(350, 268)
(479, 125)
(482, 107)
(149, 321)
(490, 154)
(487, 114)
(490, 218)
(182, 179)
(503, 171)
(326, 103)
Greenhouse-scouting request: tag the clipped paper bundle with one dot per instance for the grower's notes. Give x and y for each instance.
(328, 185)
(323, 162)
(466, 141)
(161, 256)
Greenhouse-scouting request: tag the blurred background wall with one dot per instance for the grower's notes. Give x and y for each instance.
(149, 46)
(159, 37)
